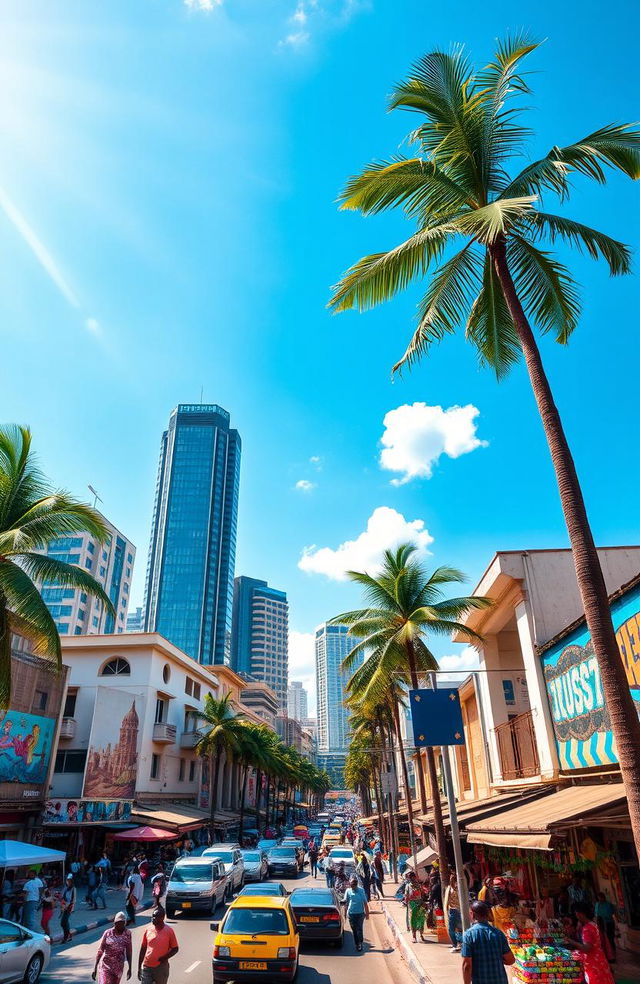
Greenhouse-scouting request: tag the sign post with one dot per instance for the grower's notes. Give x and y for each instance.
(437, 721)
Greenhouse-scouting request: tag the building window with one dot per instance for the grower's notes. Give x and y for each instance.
(192, 771)
(196, 690)
(104, 555)
(94, 621)
(129, 558)
(77, 630)
(116, 667)
(70, 761)
(70, 704)
(181, 770)
(155, 767)
(128, 572)
(40, 699)
(62, 627)
(103, 572)
(88, 563)
(166, 673)
(161, 710)
(81, 614)
(188, 686)
(83, 597)
(90, 547)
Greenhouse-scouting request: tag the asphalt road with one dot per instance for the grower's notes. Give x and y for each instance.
(319, 964)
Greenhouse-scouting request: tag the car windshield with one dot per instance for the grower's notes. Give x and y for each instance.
(192, 873)
(305, 897)
(342, 854)
(226, 856)
(252, 856)
(256, 922)
(282, 852)
(264, 888)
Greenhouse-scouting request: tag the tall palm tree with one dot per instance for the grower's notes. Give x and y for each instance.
(458, 187)
(223, 732)
(405, 605)
(32, 514)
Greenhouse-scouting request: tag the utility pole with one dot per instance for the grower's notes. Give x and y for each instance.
(96, 497)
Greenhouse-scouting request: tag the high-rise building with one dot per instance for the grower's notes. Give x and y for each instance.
(260, 638)
(332, 646)
(135, 620)
(189, 591)
(296, 701)
(110, 563)
(310, 724)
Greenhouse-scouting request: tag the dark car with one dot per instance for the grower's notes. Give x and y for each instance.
(284, 861)
(318, 915)
(298, 846)
(264, 888)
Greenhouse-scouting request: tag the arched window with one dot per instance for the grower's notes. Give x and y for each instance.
(116, 667)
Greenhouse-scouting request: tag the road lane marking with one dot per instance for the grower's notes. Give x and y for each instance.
(193, 966)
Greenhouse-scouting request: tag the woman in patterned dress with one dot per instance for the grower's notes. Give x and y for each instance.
(595, 965)
(114, 949)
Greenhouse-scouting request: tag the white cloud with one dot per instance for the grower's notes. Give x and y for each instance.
(385, 528)
(93, 326)
(316, 461)
(311, 17)
(416, 435)
(202, 4)
(302, 663)
(458, 666)
(296, 39)
(305, 486)
(300, 15)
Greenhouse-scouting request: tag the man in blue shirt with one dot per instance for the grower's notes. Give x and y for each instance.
(357, 910)
(485, 950)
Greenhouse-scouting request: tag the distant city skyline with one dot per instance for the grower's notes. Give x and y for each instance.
(190, 568)
(297, 701)
(332, 646)
(260, 634)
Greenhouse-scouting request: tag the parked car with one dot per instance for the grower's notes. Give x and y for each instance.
(256, 866)
(284, 861)
(264, 888)
(23, 953)
(257, 940)
(345, 855)
(199, 884)
(318, 915)
(231, 855)
(298, 846)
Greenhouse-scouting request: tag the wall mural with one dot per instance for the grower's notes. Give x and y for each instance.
(112, 759)
(25, 747)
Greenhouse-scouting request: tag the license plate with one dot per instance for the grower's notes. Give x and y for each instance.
(252, 965)
(186, 905)
(309, 918)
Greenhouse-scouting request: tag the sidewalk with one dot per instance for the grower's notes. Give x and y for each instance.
(84, 918)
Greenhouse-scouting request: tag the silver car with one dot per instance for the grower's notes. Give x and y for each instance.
(24, 954)
(256, 865)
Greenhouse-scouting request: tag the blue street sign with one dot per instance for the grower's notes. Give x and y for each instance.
(437, 717)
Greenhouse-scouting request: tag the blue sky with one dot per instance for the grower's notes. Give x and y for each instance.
(168, 176)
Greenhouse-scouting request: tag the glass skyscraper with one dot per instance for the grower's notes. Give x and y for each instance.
(189, 591)
(260, 640)
(332, 646)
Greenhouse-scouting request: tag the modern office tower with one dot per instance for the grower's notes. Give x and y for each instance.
(190, 570)
(332, 646)
(135, 620)
(111, 564)
(260, 637)
(296, 701)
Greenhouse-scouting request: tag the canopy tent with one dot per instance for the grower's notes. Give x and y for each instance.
(145, 834)
(16, 854)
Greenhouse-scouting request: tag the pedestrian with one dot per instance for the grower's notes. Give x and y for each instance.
(606, 915)
(544, 909)
(99, 890)
(329, 869)
(578, 893)
(7, 894)
(92, 881)
(487, 893)
(105, 865)
(414, 900)
(452, 913)
(67, 905)
(363, 869)
(158, 884)
(159, 945)
(485, 950)
(114, 950)
(144, 869)
(32, 890)
(357, 910)
(377, 874)
(589, 951)
(313, 859)
(47, 904)
(502, 914)
(134, 891)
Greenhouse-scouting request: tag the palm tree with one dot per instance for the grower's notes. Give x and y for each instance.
(222, 732)
(500, 282)
(32, 514)
(405, 606)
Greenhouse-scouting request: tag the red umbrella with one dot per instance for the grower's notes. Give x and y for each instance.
(145, 834)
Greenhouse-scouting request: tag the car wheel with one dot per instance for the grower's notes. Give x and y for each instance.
(34, 969)
(171, 912)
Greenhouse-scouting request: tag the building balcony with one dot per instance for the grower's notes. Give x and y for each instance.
(517, 748)
(165, 733)
(189, 739)
(68, 728)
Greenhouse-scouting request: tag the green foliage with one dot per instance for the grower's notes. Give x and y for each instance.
(31, 515)
(459, 187)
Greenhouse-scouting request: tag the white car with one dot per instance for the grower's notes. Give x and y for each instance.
(24, 954)
(342, 854)
(231, 857)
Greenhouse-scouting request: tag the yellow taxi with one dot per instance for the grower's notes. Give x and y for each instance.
(329, 841)
(257, 940)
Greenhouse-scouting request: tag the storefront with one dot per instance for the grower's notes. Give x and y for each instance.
(82, 828)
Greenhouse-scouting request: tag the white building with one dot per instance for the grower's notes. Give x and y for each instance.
(110, 563)
(333, 645)
(297, 701)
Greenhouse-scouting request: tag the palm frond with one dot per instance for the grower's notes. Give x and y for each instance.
(545, 287)
(490, 326)
(416, 185)
(596, 244)
(50, 570)
(486, 224)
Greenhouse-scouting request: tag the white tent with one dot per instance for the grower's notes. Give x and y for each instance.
(14, 854)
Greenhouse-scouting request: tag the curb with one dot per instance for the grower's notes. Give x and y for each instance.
(416, 968)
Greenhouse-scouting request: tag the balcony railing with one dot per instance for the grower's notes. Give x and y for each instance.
(68, 728)
(165, 732)
(189, 739)
(517, 748)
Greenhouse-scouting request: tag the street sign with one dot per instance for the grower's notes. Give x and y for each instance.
(437, 717)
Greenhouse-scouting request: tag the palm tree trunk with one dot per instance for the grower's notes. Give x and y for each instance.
(242, 798)
(214, 794)
(405, 774)
(619, 704)
(258, 797)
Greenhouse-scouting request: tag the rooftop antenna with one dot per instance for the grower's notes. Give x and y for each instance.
(201, 395)
(95, 495)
